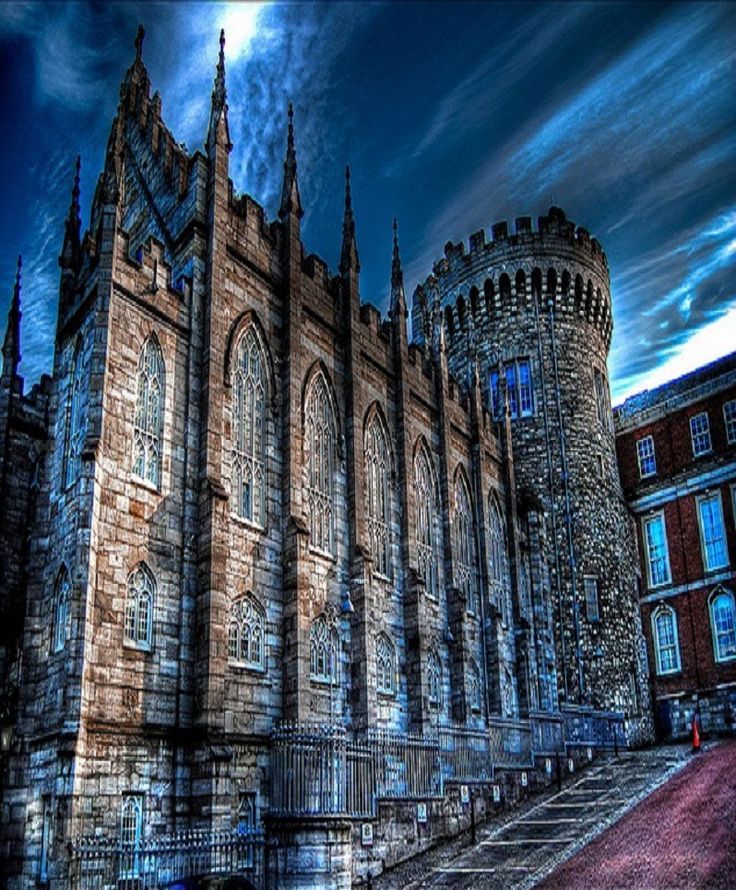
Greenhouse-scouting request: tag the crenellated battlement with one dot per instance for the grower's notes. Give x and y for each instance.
(557, 265)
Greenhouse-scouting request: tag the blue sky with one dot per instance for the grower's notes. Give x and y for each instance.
(452, 116)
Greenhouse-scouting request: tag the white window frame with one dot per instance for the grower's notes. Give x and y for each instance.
(701, 499)
(729, 421)
(589, 580)
(246, 634)
(666, 610)
(641, 444)
(695, 435)
(521, 395)
(717, 593)
(646, 520)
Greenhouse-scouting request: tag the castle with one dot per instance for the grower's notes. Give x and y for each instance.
(245, 504)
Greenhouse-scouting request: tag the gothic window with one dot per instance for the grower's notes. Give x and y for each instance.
(247, 820)
(320, 435)
(474, 688)
(434, 678)
(645, 456)
(519, 389)
(139, 608)
(46, 838)
(700, 434)
(131, 835)
(149, 408)
(249, 430)
(323, 651)
(666, 643)
(77, 419)
(497, 560)
(712, 532)
(377, 463)
(385, 665)
(723, 624)
(247, 634)
(426, 513)
(62, 610)
(658, 561)
(464, 544)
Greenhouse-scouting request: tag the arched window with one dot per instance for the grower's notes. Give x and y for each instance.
(474, 688)
(464, 544)
(434, 679)
(249, 430)
(666, 642)
(139, 607)
(149, 409)
(62, 610)
(131, 835)
(247, 633)
(377, 465)
(323, 651)
(385, 665)
(723, 624)
(77, 419)
(320, 437)
(497, 568)
(426, 511)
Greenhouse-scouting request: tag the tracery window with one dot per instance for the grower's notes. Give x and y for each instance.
(497, 569)
(434, 679)
(320, 435)
(131, 835)
(77, 422)
(474, 688)
(149, 408)
(426, 513)
(464, 544)
(723, 623)
(385, 665)
(247, 633)
(139, 607)
(249, 426)
(323, 651)
(666, 642)
(378, 465)
(62, 610)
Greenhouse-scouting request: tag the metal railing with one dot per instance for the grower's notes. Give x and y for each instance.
(548, 732)
(511, 742)
(308, 769)
(586, 727)
(104, 863)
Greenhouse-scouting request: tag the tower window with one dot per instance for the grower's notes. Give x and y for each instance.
(246, 634)
(385, 665)
(645, 456)
(700, 434)
(592, 611)
(323, 651)
(139, 608)
(602, 400)
(149, 413)
(62, 610)
(519, 389)
(434, 678)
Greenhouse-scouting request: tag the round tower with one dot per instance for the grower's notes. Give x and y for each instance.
(535, 308)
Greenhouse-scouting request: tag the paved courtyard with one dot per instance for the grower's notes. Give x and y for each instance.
(651, 819)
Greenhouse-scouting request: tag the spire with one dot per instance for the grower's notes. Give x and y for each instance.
(11, 344)
(70, 252)
(349, 252)
(140, 34)
(291, 201)
(398, 298)
(219, 109)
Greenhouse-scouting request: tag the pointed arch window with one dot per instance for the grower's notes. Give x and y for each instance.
(474, 688)
(385, 665)
(77, 418)
(131, 835)
(139, 608)
(723, 624)
(247, 634)
(427, 522)
(62, 610)
(666, 641)
(320, 439)
(497, 569)
(434, 679)
(149, 408)
(464, 544)
(323, 651)
(377, 463)
(249, 425)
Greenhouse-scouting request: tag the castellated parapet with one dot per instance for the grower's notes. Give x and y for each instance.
(538, 303)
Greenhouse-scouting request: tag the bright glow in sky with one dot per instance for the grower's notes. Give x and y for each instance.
(453, 116)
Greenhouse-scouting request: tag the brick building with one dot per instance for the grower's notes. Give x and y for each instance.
(677, 455)
(257, 501)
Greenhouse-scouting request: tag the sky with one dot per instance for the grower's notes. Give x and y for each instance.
(452, 117)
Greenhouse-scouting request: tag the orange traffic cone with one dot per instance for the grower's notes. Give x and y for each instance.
(696, 736)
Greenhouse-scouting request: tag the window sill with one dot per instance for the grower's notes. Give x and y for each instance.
(246, 666)
(249, 524)
(675, 673)
(385, 694)
(323, 681)
(386, 579)
(143, 648)
(140, 482)
(728, 659)
(702, 454)
(322, 554)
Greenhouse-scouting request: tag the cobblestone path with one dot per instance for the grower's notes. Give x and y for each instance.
(526, 847)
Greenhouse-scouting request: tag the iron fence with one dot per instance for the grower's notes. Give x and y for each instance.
(308, 769)
(548, 732)
(511, 742)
